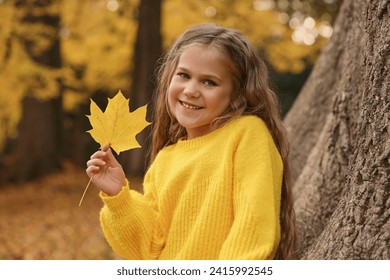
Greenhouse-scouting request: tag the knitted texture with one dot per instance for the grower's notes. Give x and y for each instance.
(213, 197)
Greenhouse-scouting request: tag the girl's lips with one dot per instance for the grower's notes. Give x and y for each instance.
(190, 106)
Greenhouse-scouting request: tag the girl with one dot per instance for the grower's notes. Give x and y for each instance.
(218, 183)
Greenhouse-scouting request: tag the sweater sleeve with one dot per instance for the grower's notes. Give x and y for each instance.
(258, 169)
(129, 223)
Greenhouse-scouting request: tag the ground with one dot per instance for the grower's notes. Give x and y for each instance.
(41, 220)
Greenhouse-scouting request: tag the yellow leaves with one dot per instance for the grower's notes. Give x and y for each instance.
(90, 33)
(116, 126)
(266, 27)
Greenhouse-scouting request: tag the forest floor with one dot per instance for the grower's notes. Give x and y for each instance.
(42, 220)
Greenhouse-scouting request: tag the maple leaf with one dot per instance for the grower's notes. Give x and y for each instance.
(117, 126)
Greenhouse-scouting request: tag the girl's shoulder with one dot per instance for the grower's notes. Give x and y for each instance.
(248, 119)
(248, 123)
(250, 129)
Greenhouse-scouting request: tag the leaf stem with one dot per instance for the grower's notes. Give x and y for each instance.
(86, 188)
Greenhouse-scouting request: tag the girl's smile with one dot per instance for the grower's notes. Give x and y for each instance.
(200, 89)
(190, 106)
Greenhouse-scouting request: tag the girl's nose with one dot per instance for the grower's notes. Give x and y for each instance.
(191, 90)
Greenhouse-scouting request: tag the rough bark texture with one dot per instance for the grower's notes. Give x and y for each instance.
(340, 139)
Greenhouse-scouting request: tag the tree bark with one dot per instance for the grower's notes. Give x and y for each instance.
(147, 51)
(38, 147)
(340, 140)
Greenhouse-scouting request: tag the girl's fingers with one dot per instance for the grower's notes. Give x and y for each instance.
(105, 148)
(99, 154)
(96, 161)
(92, 170)
(106, 155)
(111, 159)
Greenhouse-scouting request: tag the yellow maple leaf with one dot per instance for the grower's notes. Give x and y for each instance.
(117, 126)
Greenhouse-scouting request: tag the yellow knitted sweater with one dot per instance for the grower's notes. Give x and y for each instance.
(213, 197)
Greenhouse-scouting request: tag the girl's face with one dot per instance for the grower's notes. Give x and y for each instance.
(200, 89)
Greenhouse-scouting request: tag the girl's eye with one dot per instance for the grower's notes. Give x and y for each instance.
(210, 83)
(183, 75)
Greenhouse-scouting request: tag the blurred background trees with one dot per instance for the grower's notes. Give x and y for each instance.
(35, 38)
(55, 55)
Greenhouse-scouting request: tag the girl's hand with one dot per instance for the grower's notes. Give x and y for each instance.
(107, 173)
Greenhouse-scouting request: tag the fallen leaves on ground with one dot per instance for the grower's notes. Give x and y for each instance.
(41, 220)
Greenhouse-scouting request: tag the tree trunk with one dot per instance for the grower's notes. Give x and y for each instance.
(147, 51)
(38, 147)
(340, 140)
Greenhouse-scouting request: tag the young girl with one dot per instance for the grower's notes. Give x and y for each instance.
(217, 186)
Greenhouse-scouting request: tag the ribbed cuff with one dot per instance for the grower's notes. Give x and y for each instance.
(119, 202)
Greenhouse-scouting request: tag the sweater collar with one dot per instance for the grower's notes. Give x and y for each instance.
(203, 140)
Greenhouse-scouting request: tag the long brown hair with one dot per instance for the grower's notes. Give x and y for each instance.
(252, 95)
